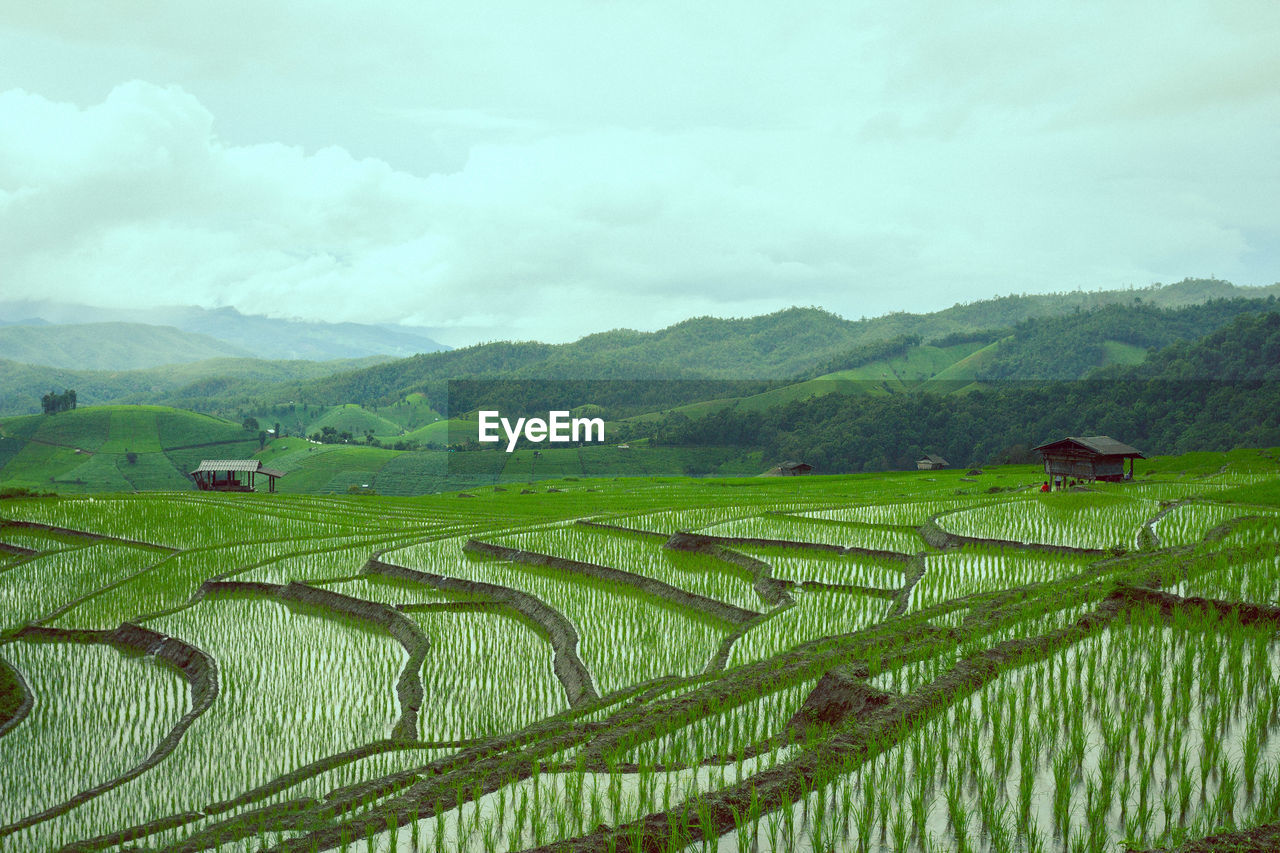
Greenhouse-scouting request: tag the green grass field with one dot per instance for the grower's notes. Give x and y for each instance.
(88, 449)
(910, 661)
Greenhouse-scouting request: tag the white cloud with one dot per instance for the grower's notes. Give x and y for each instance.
(563, 168)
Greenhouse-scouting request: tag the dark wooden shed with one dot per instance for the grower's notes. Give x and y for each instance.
(233, 475)
(1095, 457)
(789, 468)
(931, 462)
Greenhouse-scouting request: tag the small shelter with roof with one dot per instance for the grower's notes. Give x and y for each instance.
(931, 462)
(233, 475)
(1095, 457)
(790, 468)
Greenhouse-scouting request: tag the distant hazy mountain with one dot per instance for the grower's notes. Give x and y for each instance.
(246, 334)
(110, 346)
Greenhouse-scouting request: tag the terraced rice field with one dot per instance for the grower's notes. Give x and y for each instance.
(868, 663)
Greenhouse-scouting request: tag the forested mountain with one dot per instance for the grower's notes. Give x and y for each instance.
(798, 343)
(782, 344)
(1247, 350)
(1162, 406)
(1070, 346)
(110, 346)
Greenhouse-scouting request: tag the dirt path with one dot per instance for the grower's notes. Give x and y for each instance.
(771, 590)
(719, 610)
(1149, 534)
(15, 688)
(916, 570)
(83, 534)
(936, 536)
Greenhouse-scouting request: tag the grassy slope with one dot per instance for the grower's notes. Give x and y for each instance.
(330, 468)
(87, 450)
(410, 413)
(1121, 353)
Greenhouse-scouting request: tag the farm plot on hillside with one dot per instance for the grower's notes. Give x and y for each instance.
(859, 663)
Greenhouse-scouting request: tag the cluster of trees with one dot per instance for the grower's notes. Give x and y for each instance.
(331, 435)
(1155, 406)
(53, 403)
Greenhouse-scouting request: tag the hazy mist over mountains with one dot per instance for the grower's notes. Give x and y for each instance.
(56, 334)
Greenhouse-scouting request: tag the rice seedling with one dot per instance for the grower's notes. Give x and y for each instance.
(1154, 729)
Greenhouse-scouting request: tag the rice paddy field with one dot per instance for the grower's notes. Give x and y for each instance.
(924, 661)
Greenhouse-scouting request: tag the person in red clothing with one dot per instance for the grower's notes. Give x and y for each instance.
(1044, 487)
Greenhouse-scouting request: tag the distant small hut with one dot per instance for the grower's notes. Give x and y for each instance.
(789, 469)
(1095, 457)
(233, 475)
(931, 462)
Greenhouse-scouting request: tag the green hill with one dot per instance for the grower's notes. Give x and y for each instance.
(115, 448)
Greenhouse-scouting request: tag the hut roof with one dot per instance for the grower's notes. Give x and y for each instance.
(936, 459)
(250, 465)
(1103, 445)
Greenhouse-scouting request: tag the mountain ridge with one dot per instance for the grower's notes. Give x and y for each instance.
(250, 335)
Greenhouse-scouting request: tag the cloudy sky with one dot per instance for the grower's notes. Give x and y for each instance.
(549, 169)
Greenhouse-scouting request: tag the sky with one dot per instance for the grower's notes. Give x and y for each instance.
(545, 170)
